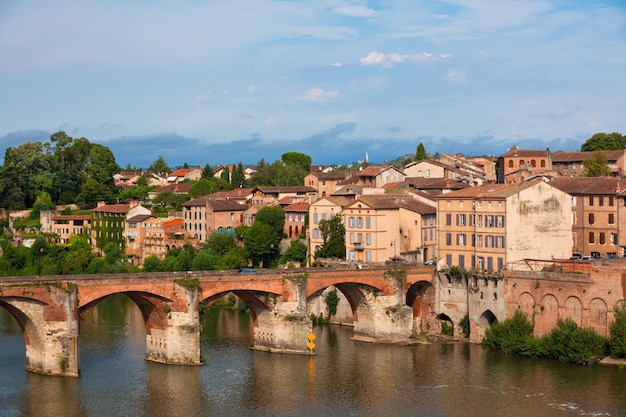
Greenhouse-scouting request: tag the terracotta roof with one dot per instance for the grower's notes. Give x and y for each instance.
(182, 172)
(112, 208)
(435, 183)
(299, 206)
(595, 186)
(491, 191)
(287, 189)
(173, 188)
(236, 193)
(139, 218)
(515, 152)
(71, 217)
(216, 205)
(562, 157)
(385, 202)
(332, 175)
(371, 171)
(173, 222)
(350, 189)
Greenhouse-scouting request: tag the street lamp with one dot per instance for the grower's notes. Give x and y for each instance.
(39, 261)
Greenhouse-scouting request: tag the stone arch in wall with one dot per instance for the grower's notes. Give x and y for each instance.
(421, 298)
(526, 303)
(598, 312)
(549, 315)
(485, 321)
(574, 310)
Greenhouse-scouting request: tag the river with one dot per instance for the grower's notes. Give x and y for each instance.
(344, 378)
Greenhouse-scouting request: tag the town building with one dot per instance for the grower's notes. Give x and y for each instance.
(63, 227)
(570, 164)
(270, 195)
(326, 182)
(488, 226)
(295, 214)
(180, 175)
(518, 165)
(323, 209)
(204, 216)
(108, 222)
(389, 228)
(596, 212)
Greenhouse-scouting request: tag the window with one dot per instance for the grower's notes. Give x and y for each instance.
(591, 240)
(601, 200)
(592, 218)
(500, 221)
(368, 239)
(613, 238)
(461, 261)
(367, 222)
(360, 223)
(448, 239)
(511, 163)
(460, 219)
(499, 241)
(351, 238)
(611, 201)
(473, 239)
(602, 238)
(448, 219)
(461, 239)
(479, 240)
(448, 260)
(533, 163)
(543, 165)
(315, 220)
(611, 218)
(591, 200)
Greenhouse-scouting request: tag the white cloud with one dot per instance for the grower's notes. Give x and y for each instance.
(355, 11)
(337, 64)
(319, 95)
(207, 95)
(389, 60)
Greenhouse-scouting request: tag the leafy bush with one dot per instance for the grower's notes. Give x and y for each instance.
(618, 332)
(513, 335)
(570, 343)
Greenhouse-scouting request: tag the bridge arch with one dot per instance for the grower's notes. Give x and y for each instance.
(549, 315)
(484, 322)
(15, 307)
(420, 296)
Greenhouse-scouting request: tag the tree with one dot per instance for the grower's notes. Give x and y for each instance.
(220, 243)
(201, 188)
(604, 142)
(207, 172)
(102, 165)
(152, 264)
(44, 202)
(296, 253)
(618, 332)
(596, 166)
(420, 153)
(333, 233)
(297, 158)
(160, 166)
(92, 191)
(273, 216)
(238, 177)
(235, 258)
(262, 242)
(205, 260)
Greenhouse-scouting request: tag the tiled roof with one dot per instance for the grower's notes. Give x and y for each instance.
(112, 208)
(436, 183)
(595, 186)
(216, 205)
(287, 189)
(333, 175)
(563, 157)
(139, 218)
(491, 191)
(71, 217)
(299, 206)
(516, 153)
(173, 222)
(173, 188)
(372, 171)
(236, 193)
(182, 172)
(389, 202)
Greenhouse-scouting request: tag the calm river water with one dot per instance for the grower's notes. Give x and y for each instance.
(345, 378)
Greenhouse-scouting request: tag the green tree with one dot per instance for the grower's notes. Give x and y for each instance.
(205, 260)
(92, 191)
(43, 202)
(297, 158)
(160, 166)
(201, 188)
(262, 243)
(333, 233)
(238, 179)
(420, 153)
(296, 252)
(235, 258)
(152, 264)
(273, 216)
(332, 301)
(596, 166)
(604, 142)
(102, 166)
(207, 172)
(220, 243)
(618, 332)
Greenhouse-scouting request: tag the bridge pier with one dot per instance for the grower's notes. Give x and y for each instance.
(284, 329)
(382, 319)
(47, 316)
(173, 328)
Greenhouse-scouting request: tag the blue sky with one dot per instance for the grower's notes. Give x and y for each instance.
(227, 81)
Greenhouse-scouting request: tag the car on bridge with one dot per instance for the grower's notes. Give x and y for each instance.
(246, 271)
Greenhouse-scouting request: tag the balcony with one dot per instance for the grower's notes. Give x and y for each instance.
(358, 246)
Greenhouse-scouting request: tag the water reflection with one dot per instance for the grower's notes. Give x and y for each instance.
(344, 378)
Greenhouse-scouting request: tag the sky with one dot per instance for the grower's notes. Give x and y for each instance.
(228, 81)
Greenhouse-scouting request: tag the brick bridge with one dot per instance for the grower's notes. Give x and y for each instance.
(387, 305)
(49, 309)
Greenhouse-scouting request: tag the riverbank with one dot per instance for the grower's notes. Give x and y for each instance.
(614, 362)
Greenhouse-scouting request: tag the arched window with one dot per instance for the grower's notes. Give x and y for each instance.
(543, 163)
(511, 163)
